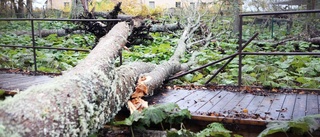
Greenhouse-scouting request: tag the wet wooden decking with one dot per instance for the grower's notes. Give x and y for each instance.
(230, 107)
(208, 105)
(19, 82)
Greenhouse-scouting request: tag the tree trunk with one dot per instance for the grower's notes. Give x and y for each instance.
(76, 9)
(29, 8)
(20, 11)
(80, 101)
(236, 12)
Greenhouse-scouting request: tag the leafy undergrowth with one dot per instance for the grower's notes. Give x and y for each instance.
(307, 124)
(53, 61)
(267, 71)
(170, 113)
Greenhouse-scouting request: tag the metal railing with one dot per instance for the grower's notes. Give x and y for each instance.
(34, 47)
(240, 53)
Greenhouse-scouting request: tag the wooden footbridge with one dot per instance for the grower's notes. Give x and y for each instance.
(211, 105)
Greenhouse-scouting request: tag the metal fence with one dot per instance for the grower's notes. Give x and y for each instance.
(34, 46)
(240, 53)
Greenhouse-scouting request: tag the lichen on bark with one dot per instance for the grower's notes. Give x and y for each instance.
(81, 100)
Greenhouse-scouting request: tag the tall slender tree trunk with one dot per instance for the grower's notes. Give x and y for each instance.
(77, 8)
(29, 8)
(236, 12)
(20, 10)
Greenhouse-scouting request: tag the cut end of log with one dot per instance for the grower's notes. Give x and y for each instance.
(142, 88)
(136, 103)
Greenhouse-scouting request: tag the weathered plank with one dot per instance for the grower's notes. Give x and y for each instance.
(254, 104)
(287, 107)
(29, 82)
(212, 102)
(312, 104)
(175, 95)
(243, 103)
(203, 101)
(263, 108)
(192, 99)
(300, 106)
(276, 107)
(219, 107)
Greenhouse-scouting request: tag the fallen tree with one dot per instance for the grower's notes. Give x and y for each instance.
(83, 99)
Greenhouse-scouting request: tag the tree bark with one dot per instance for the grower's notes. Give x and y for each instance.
(76, 9)
(80, 101)
(236, 12)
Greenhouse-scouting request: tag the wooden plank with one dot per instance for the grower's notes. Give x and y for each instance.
(155, 99)
(300, 106)
(29, 82)
(319, 103)
(254, 104)
(212, 102)
(287, 107)
(219, 107)
(276, 106)
(232, 104)
(14, 79)
(3, 76)
(243, 103)
(193, 99)
(312, 104)
(203, 101)
(263, 108)
(175, 96)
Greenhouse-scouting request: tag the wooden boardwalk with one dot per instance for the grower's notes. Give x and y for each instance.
(11, 81)
(208, 105)
(241, 108)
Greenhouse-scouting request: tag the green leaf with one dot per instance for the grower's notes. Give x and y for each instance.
(215, 129)
(134, 117)
(274, 127)
(197, 77)
(2, 92)
(153, 115)
(177, 116)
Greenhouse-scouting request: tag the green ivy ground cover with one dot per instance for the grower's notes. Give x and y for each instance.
(275, 71)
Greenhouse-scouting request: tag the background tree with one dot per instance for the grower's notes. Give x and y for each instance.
(18, 7)
(77, 8)
(236, 11)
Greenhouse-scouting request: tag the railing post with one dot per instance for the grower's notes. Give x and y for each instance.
(34, 48)
(240, 52)
(39, 29)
